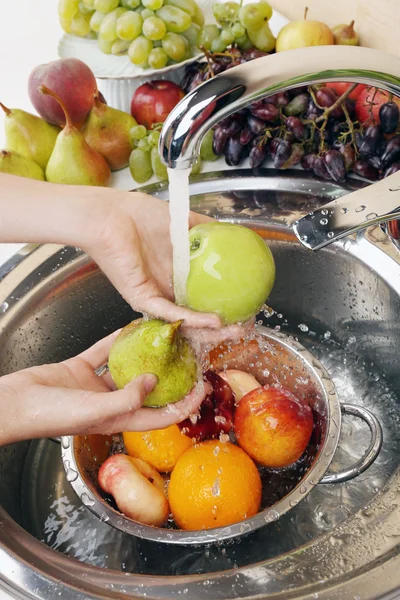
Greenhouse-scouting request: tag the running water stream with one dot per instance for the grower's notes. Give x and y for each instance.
(179, 208)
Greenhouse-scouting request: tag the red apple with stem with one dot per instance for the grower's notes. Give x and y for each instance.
(153, 101)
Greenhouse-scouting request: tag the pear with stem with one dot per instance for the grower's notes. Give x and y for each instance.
(345, 35)
(154, 347)
(73, 161)
(107, 132)
(29, 135)
(16, 164)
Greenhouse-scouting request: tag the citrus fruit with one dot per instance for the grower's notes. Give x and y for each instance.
(273, 426)
(213, 484)
(161, 447)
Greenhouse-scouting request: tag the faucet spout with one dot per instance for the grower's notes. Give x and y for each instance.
(236, 88)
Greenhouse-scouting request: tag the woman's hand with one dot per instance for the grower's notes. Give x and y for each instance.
(129, 239)
(69, 399)
(126, 233)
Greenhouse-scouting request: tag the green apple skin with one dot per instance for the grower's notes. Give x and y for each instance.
(232, 271)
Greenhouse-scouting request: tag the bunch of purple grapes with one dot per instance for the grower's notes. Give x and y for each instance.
(310, 126)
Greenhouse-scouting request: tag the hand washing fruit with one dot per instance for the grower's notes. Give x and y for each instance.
(273, 426)
(73, 81)
(154, 347)
(214, 484)
(302, 34)
(232, 271)
(240, 382)
(215, 414)
(29, 135)
(137, 488)
(15, 164)
(73, 161)
(107, 131)
(161, 448)
(153, 101)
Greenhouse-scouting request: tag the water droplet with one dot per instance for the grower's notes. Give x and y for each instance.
(352, 339)
(327, 335)
(304, 238)
(272, 515)
(70, 473)
(360, 208)
(3, 307)
(303, 327)
(65, 443)
(87, 501)
(303, 489)
(371, 216)
(324, 211)
(324, 221)
(293, 503)
(344, 210)
(330, 234)
(347, 245)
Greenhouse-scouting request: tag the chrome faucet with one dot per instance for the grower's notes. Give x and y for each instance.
(236, 88)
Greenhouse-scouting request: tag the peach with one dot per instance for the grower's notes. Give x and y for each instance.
(273, 426)
(137, 488)
(73, 81)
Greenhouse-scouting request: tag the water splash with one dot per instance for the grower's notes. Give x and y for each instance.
(179, 208)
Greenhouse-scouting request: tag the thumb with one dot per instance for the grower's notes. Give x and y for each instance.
(136, 391)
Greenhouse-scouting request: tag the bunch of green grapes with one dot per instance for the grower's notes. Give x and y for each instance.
(153, 33)
(145, 159)
(245, 26)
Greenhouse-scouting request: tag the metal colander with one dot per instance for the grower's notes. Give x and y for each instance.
(273, 359)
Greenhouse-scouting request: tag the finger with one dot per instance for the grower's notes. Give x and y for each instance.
(146, 419)
(98, 353)
(205, 336)
(165, 309)
(58, 411)
(196, 219)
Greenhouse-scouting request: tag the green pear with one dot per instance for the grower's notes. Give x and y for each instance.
(16, 164)
(159, 348)
(107, 132)
(29, 135)
(73, 161)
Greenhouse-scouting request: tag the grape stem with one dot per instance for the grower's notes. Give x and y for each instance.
(338, 102)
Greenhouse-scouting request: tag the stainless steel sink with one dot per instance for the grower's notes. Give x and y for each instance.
(342, 303)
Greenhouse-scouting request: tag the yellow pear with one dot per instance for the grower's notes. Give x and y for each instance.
(301, 34)
(15, 164)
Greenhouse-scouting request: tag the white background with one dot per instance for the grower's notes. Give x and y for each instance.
(29, 35)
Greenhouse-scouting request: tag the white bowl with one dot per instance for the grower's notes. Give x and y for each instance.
(117, 78)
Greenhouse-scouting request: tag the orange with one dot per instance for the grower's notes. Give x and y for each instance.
(161, 447)
(212, 485)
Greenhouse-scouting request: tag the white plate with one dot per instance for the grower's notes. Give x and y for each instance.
(107, 66)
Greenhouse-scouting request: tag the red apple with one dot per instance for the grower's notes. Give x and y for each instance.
(152, 102)
(273, 426)
(70, 79)
(369, 102)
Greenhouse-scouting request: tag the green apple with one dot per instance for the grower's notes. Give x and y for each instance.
(232, 271)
